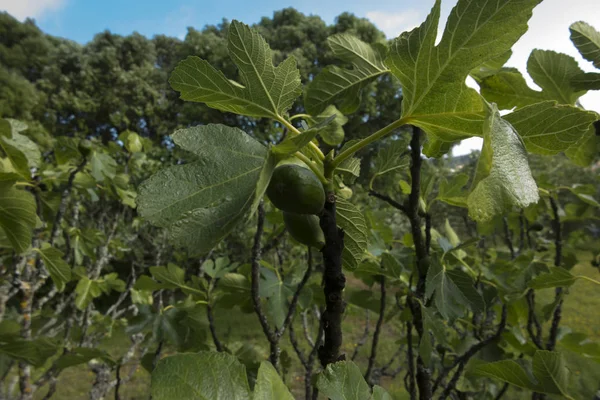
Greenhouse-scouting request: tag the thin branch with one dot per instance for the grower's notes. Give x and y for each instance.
(364, 337)
(463, 359)
(532, 321)
(274, 242)
(305, 327)
(522, 230)
(377, 330)
(557, 315)
(63, 202)
(410, 385)
(254, 289)
(508, 238)
(389, 200)
(296, 346)
(292, 307)
(211, 325)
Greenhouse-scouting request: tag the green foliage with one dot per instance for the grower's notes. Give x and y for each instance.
(215, 200)
(305, 229)
(436, 98)
(503, 178)
(342, 85)
(296, 190)
(547, 374)
(587, 41)
(17, 216)
(473, 299)
(265, 90)
(213, 376)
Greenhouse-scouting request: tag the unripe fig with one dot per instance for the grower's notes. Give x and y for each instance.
(85, 146)
(305, 229)
(296, 189)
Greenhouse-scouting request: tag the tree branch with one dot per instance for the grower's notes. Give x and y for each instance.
(389, 200)
(462, 360)
(292, 307)
(557, 315)
(364, 337)
(507, 238)
(335, 282)
(423, 375)
(410, 385)
(254, 289)
(63, 202)
(377, 330)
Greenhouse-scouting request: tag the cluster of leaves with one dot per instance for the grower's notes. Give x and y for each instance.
(79, 263)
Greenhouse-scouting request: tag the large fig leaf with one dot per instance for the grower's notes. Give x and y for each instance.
(436, 97)
(201, 201)
(335, 84)
(265, 90)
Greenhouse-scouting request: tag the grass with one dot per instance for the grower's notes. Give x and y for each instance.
(580, 313)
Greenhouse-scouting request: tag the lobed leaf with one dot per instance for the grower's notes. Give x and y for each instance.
(587, 41)
(201, 201)
(557, 277)
(548, 128)
(335, 84)
(265, 90)
(435, 96)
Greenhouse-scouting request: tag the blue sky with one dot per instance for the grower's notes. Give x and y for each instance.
(79, 20)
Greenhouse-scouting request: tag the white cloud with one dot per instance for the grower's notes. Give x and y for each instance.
(22, 9)
(393, 24)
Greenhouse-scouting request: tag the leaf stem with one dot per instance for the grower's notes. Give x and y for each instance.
(293, 129)
(588, 279)
(367, 141)
(305, 116)
(24, 184)
(312, 166)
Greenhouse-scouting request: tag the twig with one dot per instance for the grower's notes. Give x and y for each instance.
(389, 200)
(296, 346)
(507, 238)
(211, 319)
(410, 385)
(63, 202)
(254, 288)
(305, 327)
(364, 336)
(292, 307)
(522, 230)
(532, 320)
(557, 315)
(377, 330)
(274, 242)
(462, 360)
